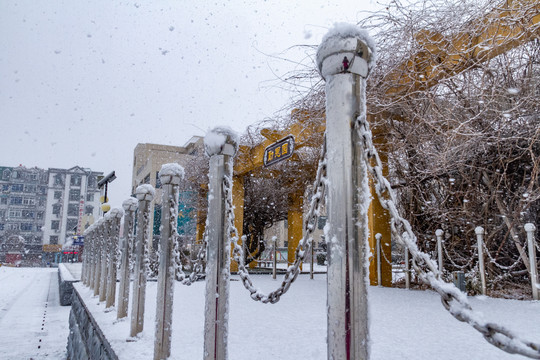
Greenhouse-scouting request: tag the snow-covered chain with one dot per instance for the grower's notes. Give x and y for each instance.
(303, 246)
(453, 300)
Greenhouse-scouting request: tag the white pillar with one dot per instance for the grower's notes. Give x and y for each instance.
(439, 234)
(342, 59)
(221, 146)
(170, 177)
(481, 267)
(530, 228)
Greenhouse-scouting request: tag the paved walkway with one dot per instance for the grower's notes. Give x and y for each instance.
(33, 325)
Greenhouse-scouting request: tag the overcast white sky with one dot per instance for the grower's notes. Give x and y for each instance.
(82, 82)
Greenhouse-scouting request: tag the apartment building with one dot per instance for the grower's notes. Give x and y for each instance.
(72, 203)
(23, 196)
(147, 162)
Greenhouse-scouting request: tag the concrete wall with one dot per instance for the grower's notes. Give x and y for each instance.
(86, 341)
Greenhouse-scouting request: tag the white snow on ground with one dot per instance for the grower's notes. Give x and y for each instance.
(405, 324)
(33, 325)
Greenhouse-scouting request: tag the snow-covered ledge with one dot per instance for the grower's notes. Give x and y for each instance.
(86, 340)
(65, 284)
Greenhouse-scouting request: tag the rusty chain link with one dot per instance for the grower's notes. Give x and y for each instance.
(304, 245)
(453, 300)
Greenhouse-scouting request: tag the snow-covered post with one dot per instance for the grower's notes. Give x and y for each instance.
(481, 267)
(439, 234)
(221, 145)
(105, 233)
(530, 228)
(85, 257)
(407, 269)
(129, 206)
(344, 58)
(145, 194)
(170, 177)
(114, 226)
(274, 260)
(97, 252)
(378, 245)
(312, 254)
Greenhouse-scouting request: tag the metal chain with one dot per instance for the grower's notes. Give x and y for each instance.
(384, 255)
(461, 267)
(304, 245)
(502, 267)
(453, 300)
(198, 269)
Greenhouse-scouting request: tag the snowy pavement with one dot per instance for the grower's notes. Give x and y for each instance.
(33, 325)
(404, 324)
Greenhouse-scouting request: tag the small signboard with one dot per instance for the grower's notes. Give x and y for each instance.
(78, 240)
(281, 150)
(52, 248)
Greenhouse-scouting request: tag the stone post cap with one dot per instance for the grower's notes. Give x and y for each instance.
(116, 213)
(171, 174)
(439, 232)
(529, 227)
(346, 48)
(479, 230)
(130, 204)
(145, 192)
(221, 141)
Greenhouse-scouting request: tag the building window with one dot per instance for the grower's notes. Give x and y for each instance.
(14, 214)
(16, 174)
(39, 215)
(26, 227)
(16, 200)
(90, 196)
(17, 187)
(6, 174)
(56, 209)
(58, 179)
(42, 200)
(2, 213)
(5, 187)
(89, 209)
(53, 240)
(27, 214)
(146, 179)
(43, 190)
(92, 183)
(55, 225)
(3, 200)
(75, 180)
(30, 188)
(13, 227)
(73, 209)
(71, 224)
(57, 194)
(74, 195)
(29, 201)
(32, 176)
(158, 181)
(1, 227)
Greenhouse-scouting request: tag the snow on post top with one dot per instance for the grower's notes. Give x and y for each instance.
(479, 230)
(439, 232)
(171, 173)
(346, 48)
(221, 141)
(130, 204)
(116, 212)
(529, 227)
(145, 192)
